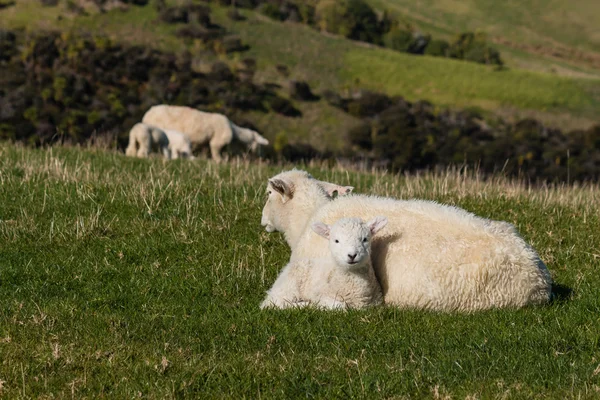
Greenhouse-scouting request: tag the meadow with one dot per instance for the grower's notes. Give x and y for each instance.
(124, 278)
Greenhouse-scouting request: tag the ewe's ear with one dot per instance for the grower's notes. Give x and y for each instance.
(321, 229)
(283, 188)
(334, 190)
(377, 224)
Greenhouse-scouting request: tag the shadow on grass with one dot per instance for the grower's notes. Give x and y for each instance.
(560, 293)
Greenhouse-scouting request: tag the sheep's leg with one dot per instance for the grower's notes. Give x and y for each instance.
(145, 146)
(166, 152)
(215, 151)
(131, 147)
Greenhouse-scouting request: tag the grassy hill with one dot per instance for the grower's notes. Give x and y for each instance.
(547, 35)
(567, 95)
(120, 278)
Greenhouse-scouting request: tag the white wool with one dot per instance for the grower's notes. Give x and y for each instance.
(179, 144)
(344, 278)
(431, 256)
(202, 127)
(143, 138)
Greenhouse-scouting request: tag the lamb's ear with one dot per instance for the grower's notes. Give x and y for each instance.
(283, 188)
(334, 190)
(321, 229)
(377, 224)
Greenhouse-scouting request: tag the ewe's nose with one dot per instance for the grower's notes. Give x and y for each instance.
(351, 257)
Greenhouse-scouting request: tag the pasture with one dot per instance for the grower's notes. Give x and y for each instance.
(122, 278)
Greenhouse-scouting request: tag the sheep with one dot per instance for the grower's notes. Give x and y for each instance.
(202, 127)
(143, 137)
(345, 278)
(179, 144)
(432, 256)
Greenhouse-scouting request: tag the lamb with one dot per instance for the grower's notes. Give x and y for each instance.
(179, 144)
(432, 256)
(202, 127)
(345, 278)
(143, 137)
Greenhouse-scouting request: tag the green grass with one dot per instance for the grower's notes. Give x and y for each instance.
(122, 277)
(459, 83)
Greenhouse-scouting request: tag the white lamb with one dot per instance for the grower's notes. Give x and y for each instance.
(202, 127)
(432, 256)
(143, 138)
(179, 144)
(344, 278)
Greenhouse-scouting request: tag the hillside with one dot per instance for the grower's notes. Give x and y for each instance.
(561, 91)
(555, 36)
(119, 278)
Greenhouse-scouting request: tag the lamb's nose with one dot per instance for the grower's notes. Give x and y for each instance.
(352, 256)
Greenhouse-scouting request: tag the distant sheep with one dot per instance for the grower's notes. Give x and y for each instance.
(202, 127)
(431, 256)
(143, 138)
(345, 278)
(179, 144)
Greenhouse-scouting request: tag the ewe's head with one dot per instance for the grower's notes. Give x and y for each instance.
(257, 140)
(294, 195)
(350, 239)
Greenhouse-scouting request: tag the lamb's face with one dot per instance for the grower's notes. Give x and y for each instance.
(350, 239)
(350, 242)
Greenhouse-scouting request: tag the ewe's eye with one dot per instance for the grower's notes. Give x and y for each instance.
(337, 241)
(365, 240)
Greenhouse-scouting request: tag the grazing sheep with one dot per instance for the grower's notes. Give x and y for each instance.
(179, 144)
(432, 256)
(202, 127)
(143, 137)
(345, 278)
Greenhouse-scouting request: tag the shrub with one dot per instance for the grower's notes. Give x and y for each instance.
(284, 107)
(360, 136)
(473, 47)
(300, 90)
(368, 104)
(272, 11)
(353, 19)
(437, 48)
(234, 15)
(406, 41)
(399, 40)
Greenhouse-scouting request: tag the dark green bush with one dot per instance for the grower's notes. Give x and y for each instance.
(353, 19)
(272, 11)
(474, 47)
(437, 48)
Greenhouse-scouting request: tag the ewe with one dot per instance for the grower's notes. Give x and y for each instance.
(147, 137)
(202, 127)
(431, 256)
(344, 278)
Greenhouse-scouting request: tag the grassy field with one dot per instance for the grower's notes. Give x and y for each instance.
(123, 278)
(559, 92)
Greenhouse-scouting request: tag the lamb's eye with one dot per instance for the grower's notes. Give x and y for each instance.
(337, 241)
(365, 240)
